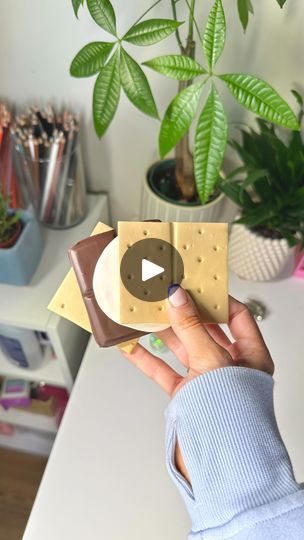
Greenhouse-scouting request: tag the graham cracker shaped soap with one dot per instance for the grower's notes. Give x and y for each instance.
(203, 249)
(68, 301)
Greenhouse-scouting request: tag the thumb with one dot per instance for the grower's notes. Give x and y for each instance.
(187, 325)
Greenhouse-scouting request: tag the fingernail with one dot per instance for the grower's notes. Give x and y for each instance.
(177, 296)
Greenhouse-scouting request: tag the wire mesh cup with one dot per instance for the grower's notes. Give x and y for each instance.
(55, 184)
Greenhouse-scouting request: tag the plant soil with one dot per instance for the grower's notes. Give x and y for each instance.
(164, 183)
(267, 233)
(14, 234)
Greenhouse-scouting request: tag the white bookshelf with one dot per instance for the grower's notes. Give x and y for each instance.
(49, 372)
(28, 440)
(38, 422)
(26, 307)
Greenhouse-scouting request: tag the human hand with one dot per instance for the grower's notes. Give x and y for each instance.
(203, 347)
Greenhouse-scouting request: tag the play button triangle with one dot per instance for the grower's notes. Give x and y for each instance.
(150, 269)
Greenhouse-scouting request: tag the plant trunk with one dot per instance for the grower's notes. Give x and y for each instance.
(184, 168)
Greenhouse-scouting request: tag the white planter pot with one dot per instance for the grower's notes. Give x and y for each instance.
(256, 258)
(154, 207)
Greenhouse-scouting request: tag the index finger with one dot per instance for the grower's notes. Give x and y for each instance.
(155, 368)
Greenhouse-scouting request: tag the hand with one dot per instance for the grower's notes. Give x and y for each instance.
(202, 347)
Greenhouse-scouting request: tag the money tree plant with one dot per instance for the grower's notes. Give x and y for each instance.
(197, 173)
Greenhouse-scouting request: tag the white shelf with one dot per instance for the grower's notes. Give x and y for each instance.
(25, 440)
(37, 422)
(26, 307)
(49, 372)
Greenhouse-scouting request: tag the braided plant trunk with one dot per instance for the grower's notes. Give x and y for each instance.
(184, 167)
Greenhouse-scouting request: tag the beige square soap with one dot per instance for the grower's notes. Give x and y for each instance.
(203, 248)
(130, 232)
(67, 301)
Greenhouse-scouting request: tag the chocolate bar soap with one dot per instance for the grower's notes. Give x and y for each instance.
(84, 256)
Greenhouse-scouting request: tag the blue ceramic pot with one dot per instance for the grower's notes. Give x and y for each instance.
(19, 262)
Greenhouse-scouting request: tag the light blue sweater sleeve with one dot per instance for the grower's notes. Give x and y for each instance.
(242, 483)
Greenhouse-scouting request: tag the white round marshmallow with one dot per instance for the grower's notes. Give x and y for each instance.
(106, 286)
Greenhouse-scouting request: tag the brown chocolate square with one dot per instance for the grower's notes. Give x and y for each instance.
(84, 256)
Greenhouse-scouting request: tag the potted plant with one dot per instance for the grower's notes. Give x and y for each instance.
(271, 198)
(10, 225)
(185, 188)
(20, 244)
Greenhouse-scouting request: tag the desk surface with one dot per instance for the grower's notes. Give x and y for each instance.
(106, 477)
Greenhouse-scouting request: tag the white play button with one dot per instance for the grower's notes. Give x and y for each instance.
(150, 269)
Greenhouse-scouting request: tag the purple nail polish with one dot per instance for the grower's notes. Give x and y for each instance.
(177, 295)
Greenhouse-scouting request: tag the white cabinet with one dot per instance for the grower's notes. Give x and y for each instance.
(26, 307)
(108, 458)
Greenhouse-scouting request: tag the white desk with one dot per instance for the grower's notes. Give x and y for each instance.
(106, 478)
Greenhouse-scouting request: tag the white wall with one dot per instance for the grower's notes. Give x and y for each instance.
(39, 38)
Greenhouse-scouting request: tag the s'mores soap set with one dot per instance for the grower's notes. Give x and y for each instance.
(117, 286)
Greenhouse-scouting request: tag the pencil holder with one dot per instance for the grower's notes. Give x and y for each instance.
(55, 184)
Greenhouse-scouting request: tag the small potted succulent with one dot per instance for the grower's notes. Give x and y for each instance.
(10, 225)
(184, 188)
(270, 195)
(20, 244)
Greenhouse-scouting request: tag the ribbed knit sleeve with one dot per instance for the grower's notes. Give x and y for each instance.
(240, 471)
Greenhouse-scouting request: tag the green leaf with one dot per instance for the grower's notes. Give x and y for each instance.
(13, 218)
(215, 34)
(243, 154)
(235, 172)
(91, 59)
(259, 214)
(292, 240)
(298, 97)
(281, 3)
(210, 144)
(244, 8)
(301, 104)
(76, 6)
(151, 31)
(106, 95)
(265, 127)
(254, 176)
(232, 190)
(297, 198)
(103, 14)
(176, 66)
(178, 117)
(135, 85)
(259, 97)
